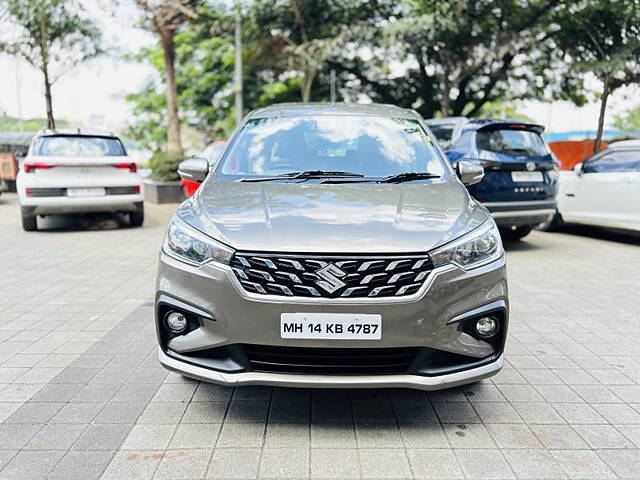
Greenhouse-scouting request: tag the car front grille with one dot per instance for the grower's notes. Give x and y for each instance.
(322, 361)
(331, 277)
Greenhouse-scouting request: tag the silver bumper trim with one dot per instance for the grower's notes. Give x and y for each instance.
(524, 213)
(332, 381)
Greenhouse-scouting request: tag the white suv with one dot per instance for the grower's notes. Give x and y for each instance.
(78, 172)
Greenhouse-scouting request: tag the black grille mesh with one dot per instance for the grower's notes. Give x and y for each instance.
(331, 277)
(330, 360)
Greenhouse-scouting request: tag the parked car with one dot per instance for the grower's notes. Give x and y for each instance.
(69, 171)
(603, 191)
(333, 245)
(520, 183)
(446, 129)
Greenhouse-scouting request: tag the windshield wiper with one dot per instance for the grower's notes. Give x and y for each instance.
(408, 177)
(305, 175)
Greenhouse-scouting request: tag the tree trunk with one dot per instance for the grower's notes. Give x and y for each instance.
(51, 123)
(44, 54)
(174, 143)
(307, 83)
(446, 92)
(603, 108)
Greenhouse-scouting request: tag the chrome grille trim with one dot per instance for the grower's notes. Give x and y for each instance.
(289, 275)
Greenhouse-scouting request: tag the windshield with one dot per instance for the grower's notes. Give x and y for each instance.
(512, 142)
(78, 146)
(371, 146)
(443, 132)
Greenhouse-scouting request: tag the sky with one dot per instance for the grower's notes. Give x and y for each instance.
(92, 94)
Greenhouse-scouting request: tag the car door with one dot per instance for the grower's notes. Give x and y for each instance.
(634, 195)
(599, 193)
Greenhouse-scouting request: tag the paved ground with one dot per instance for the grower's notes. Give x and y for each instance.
(82, 396)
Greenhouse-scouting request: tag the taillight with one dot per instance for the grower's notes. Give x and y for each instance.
(132, 167)
(29, 192)
(136, 189)
(32, 167)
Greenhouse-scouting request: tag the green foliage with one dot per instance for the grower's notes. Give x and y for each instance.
(628, 121)
(455, 57)
(499, 109)
(164, 166)
(53, 36)
(13, 124)
(602, 37)
(53, 32)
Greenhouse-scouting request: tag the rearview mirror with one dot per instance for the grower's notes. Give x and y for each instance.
(578, 169)
(194, 169)
(469, 173)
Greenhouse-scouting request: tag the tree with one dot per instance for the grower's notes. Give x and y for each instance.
(629, 121)
(52, 36)
(165, 17)
(302, 36)
(204, 65)
(603, 37)
(453, 56)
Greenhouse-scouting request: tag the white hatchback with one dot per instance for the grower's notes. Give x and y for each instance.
(74, 172)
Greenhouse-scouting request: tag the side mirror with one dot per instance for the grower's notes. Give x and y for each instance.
(469, 173)
(194, 169)
(578, 169)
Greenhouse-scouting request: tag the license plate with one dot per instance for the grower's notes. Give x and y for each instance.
(85, 192)
(331, 326)
(527, 176)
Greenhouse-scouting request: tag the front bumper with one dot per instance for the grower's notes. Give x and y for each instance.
(418, 382)
(432, 321)
(527, 213)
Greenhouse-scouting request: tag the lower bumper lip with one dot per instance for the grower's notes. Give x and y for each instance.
(333, 381)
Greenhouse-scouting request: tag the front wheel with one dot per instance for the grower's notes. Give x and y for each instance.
(514, 234)
(136, 218)
(29, 221)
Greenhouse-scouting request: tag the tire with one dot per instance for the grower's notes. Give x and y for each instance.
(515, 234)
(136, 218)
(29, 221)
(551, 225)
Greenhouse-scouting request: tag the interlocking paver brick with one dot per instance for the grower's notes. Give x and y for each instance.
(484, 464)
(78, 359)
(183, 465)
(197, 435)
(440, 464)
(334, 463)
(284, 463)
(234, 463)
(81, 466)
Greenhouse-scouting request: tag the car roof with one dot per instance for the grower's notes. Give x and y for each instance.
(632, 143)
(445, 120)
(351, 109)
(76, 132)
(492, 123)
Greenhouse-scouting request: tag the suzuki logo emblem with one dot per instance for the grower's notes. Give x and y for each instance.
(330, 278)
(531, 166)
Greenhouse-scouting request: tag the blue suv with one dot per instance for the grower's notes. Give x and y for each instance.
(521, 175)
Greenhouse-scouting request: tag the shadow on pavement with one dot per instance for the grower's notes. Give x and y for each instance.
(76, 223)
(619, 236)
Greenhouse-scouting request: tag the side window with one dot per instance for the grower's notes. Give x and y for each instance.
(620, 161)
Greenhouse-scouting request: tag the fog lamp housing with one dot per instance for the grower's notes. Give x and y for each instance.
(176, 322)
(487, 327)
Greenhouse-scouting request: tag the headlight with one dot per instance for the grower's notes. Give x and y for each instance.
(189, 245)
(476, 248)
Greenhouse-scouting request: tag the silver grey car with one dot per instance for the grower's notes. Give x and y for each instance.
(332, 245)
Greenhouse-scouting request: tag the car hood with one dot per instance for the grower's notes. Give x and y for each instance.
(333, 218)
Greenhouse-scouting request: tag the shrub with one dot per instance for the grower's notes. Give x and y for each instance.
(164, 166)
